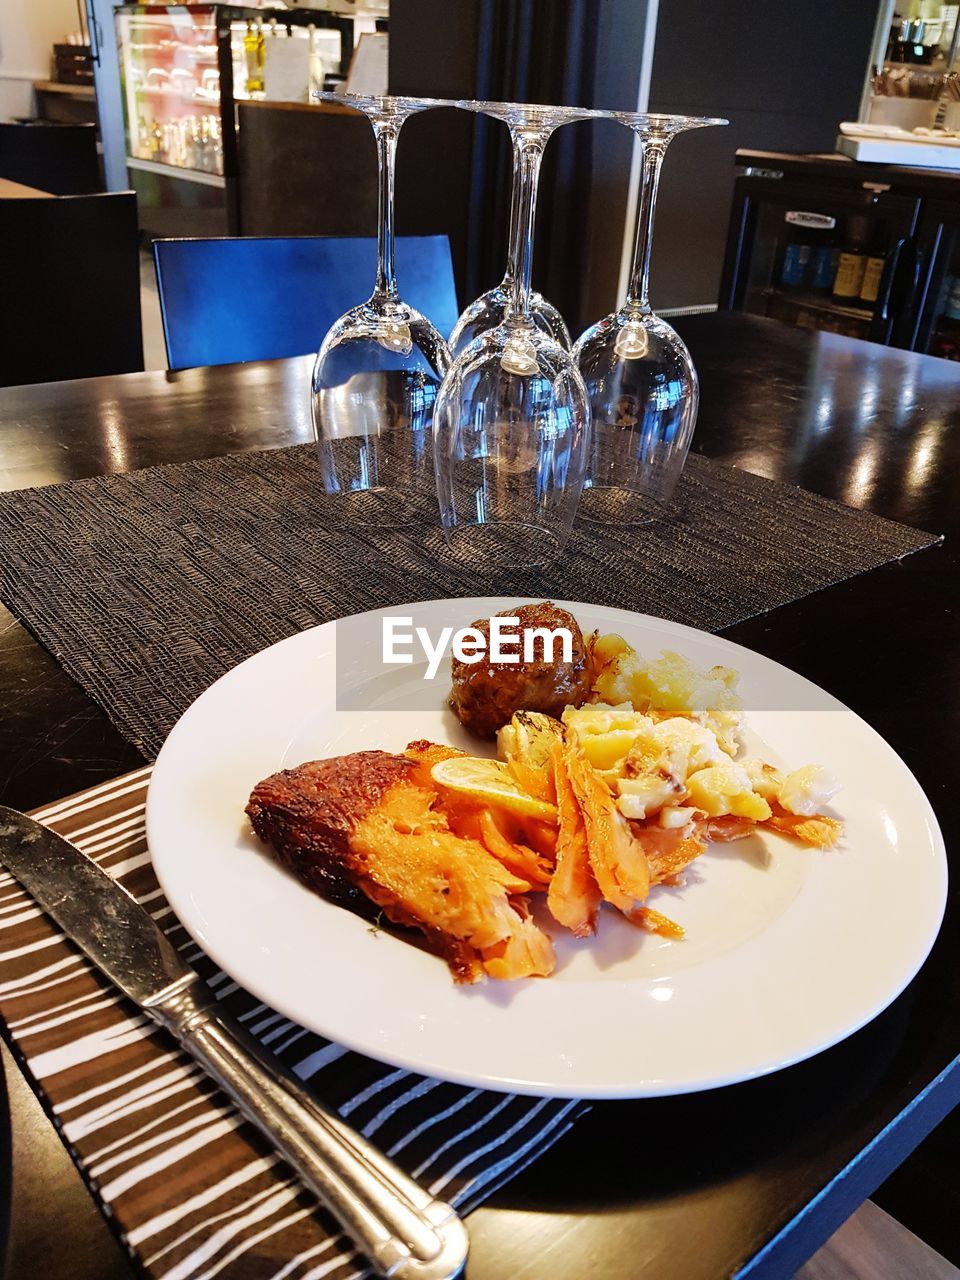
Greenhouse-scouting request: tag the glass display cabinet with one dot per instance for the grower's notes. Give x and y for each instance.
(820, 254)
(866, 250)
(183, 70)
(171, 84)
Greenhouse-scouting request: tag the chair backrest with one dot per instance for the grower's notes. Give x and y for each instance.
(229, 300)
(59, 158)
(70, 288)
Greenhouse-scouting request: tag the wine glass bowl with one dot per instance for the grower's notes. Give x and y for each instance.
(640, 379)
(375, 381)
(644, 395)
(512, 425)
(512, 422)
(379, 367)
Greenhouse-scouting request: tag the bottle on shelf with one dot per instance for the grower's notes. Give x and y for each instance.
(189, 125)
(803, 263)
(201, 147)
(253, 51)
(217, 145)
(156, 143)
(316, 63)
(143, 138)
(797, 253)
(852, 262)
(823, 267)
(872, 272)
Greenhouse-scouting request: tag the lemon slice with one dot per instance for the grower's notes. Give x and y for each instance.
(492, 781)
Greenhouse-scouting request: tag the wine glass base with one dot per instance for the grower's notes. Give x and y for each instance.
(615, 504)
(506, 544)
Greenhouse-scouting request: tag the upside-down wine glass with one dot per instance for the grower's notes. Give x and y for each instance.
(641, 382)
(490, 308)
(379, 367)
(512, 423)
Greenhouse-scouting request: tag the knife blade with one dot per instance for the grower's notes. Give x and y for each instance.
(402, 1229)
(91, 908)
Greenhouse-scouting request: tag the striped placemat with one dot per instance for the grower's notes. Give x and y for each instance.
(192, 1190)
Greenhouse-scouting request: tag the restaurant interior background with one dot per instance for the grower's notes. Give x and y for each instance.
(236, 148)
(210, 152)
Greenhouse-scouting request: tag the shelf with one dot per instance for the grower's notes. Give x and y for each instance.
(176, 171)
(143, 90)
(817, 302)
(71, 90)
(207, 51)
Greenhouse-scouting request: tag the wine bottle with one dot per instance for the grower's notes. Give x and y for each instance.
(852, 262)
(253, 54)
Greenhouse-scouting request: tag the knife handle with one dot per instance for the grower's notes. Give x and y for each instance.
(402, 1229)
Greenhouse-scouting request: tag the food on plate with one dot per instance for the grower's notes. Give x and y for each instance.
(614, 776)
(368, 827)
(605, 669)
(492, 782)
(677, 771)
(669, 685)
(485, 694)
(573, 895)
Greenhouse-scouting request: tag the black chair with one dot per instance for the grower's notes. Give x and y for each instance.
(70, 288)
(224, 301)
(58, 158)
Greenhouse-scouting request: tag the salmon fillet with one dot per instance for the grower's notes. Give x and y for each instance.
(364, 828)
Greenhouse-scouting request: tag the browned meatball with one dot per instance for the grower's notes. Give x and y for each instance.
(485, 694)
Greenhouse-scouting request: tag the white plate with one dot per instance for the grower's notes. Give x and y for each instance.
(788, 949)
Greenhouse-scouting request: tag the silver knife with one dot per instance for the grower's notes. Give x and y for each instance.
(404, 1231)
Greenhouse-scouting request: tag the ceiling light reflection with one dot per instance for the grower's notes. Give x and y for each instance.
(114, 438)
(863, 476)
(868, 403)
(920, 468)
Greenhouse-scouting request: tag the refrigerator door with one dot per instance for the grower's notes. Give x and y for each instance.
(937, 327)
(106, 76)
(833, 258)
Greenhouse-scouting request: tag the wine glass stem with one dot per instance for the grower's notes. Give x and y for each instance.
(528, 152)
(512, 239)
(649, 181)
(386, 132)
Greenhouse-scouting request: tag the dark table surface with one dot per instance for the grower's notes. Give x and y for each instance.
(754, 1176)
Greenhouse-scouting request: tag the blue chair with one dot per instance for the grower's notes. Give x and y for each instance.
(229, 300)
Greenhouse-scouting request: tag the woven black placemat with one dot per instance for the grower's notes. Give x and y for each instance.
(148, 586)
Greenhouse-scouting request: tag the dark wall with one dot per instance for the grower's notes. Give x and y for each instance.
(620, 32)
(433, 53)
(784, 72)
(305, 173)
(453, 172)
